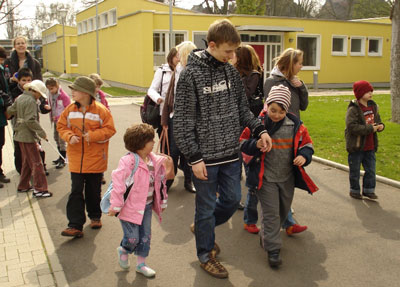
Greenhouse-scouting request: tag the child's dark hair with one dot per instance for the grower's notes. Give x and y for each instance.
(137, 136)
(223, 31)
(24, 72)
(3, 53)
(51, 82)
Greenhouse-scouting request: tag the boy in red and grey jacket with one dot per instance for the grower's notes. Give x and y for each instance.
(275, 174)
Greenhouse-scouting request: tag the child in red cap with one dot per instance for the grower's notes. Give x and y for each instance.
(362, 123)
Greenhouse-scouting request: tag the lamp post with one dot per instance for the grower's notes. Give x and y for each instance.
(97, 40)
(46, 26)
(63, 14)
(170, 25)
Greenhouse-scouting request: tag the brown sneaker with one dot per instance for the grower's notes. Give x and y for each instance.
(72, 232)
(215, 268)
(192, 228)
(95, 223)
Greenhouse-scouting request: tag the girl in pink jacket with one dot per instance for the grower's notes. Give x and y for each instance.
(147, 194)
(100, 95)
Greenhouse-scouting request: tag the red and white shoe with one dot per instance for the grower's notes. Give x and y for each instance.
(252, 228)
(295, 228)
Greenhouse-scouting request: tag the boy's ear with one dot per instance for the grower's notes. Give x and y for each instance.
(212, 45)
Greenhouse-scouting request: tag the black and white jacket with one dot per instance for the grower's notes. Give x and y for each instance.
(211, 110)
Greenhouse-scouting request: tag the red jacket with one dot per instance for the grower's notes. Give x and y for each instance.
(302, 145)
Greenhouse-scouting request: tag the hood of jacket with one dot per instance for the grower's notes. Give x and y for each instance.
(276, 72)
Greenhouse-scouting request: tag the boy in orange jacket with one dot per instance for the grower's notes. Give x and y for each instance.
(87, 126)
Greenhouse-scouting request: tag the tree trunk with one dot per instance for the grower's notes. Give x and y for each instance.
(395, 63)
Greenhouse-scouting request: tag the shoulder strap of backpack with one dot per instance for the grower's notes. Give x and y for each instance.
(130, 178)
(162, 78)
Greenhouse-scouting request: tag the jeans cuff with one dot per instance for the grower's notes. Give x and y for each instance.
(354, 191)
(368, 190)
(204, 258)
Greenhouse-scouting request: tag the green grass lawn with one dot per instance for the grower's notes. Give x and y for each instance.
(325, 120)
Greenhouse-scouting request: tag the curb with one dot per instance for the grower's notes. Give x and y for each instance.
(379, 178)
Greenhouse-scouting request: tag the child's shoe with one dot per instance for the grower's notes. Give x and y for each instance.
(95, 223)
(274, 258)
(42, 193)
(355, 195)
(370, 195)
(56, 161)
(252, 228)
(145, 270)
(123, 258)
(295, 228)
(72, 232)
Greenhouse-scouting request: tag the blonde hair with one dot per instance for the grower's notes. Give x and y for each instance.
(184, 50)
(255, 60)
(19, 37)
(97, 79)
(286, 61)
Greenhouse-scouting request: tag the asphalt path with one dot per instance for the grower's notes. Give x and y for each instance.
(349, 242)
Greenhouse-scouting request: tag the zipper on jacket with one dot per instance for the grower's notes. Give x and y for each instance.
(83, 140)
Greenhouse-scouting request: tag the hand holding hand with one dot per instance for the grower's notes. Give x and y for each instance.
(200, 170)
(299, 160)
(74, 140)
(380, 127)
(265, 143)
(296, 82)
(375, 126)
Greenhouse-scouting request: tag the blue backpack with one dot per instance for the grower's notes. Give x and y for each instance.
(105, 201)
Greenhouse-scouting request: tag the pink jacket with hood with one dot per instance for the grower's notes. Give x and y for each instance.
(62, 101)
(103, 99)
(133, 209)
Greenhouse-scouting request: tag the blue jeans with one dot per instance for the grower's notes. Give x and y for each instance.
(137, 237)
(367, 159)
(250, 215)
(212, 211)
(289, 220)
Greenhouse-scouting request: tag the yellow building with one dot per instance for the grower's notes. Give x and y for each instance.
(134, 40)
(53, 40)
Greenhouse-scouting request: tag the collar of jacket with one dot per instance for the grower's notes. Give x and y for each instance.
(90, 104)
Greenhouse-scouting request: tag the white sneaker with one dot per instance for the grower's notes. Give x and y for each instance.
(145, 270)
(123, 263)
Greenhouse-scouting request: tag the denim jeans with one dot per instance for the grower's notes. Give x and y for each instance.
(137, 237)
(250, 215)
(212, 211)
(367, 159)
(289, 220)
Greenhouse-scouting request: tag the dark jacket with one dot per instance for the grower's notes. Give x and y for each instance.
(32, 64)
(211, 110)
(302, 145)
(357, 129)
(5, 99)
(299, 95)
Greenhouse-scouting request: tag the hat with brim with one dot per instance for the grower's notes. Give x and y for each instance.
(37, 86)
(85, 85)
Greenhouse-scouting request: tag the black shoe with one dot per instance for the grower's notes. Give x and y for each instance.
(46, 172)
(55, 162)
(190, 187)
(370, 195)
(274, 258)
(355, 195)
(4, 179)
(241, 206)
(103, 181)
(1, 185)
(60, 164)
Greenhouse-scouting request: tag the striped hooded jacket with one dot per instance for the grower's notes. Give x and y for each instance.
(302, 145)
(211, 110)
(92, 156)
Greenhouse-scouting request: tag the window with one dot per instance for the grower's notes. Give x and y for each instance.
(103, 20)
(79, 28)
(90, 24)
(311, 46)
(74, 55)
(50, 38)
(112, 15)
(84, 26)
(339, 45)
(357, 46)
(159, 42)
(200, 39)
(260, 38)
(178, 38)
(375, 46)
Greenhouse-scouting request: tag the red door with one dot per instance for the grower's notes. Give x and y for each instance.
(260, 52)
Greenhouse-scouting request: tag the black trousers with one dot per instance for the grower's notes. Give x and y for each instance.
(90, 183)
(2, 140)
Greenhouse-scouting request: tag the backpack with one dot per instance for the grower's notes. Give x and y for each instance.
(150, 111)
(105, 201)
(256, 101)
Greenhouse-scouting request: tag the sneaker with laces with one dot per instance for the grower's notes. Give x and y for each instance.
(123, 258)
(36, 193)
(145, 270)
(252, 228)
(215, 251)
(72, 232)
(295, 228)
(355, 195)
(192, 228)
(95, 223)
(214, 268)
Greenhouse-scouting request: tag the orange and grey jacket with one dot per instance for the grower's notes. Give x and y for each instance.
(87, 157)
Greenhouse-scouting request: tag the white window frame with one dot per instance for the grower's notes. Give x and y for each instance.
(362, 52)
(79, 28)
(380, 47)
(111, 17)
(166, 32)
(102, 20)
(84, 27)
(345, 44)
(91, 24)
(318, 55)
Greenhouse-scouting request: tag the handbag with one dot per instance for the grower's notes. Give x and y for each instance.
(256, 101)
(105, 201)
(168, 163)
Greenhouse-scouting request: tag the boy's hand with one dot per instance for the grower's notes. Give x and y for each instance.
(296, 82)
(159, 101)
(200, 170)
(47, 107)
(74, 140)
(299, 160)
(266, 143)
(375, 126)
(86, 137)
(380, 127)
(111, 213)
